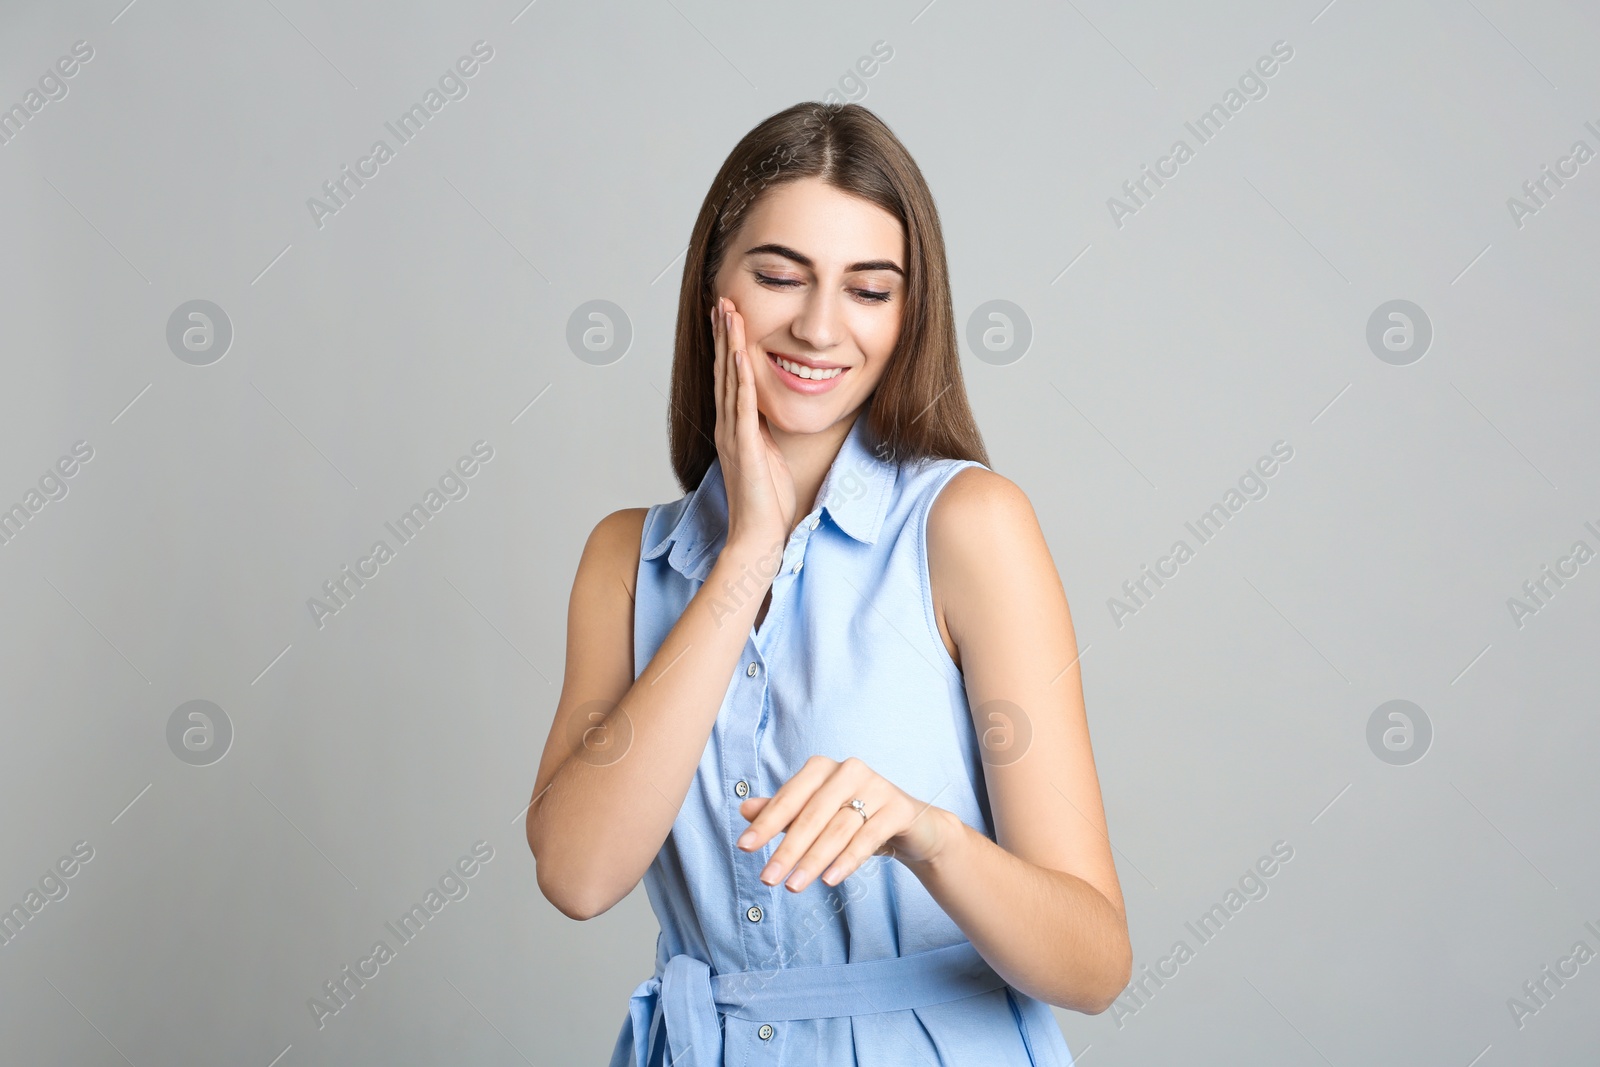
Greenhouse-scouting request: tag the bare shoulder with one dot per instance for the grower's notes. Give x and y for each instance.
(620, 530)
(600, 611)
(613, 544)
(983, 538)
(977, 513)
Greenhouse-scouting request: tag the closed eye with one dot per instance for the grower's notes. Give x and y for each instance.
(871, 295)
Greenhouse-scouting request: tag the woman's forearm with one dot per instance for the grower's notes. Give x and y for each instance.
(1050, 934)
(598, 824)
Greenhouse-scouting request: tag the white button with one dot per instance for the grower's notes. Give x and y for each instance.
(814, 523)
(766, 1032)
(753, 914)
(750, 671)
(742, 787)
(796, 568)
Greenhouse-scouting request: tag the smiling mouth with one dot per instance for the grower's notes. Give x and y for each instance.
(805, 373)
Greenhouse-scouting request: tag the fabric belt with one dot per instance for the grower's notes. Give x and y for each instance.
(689, 996)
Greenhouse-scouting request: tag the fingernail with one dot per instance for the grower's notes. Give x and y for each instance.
(796, 880)
(747, 839)
(769, 873)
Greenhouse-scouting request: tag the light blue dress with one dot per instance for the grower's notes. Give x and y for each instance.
(847, 662)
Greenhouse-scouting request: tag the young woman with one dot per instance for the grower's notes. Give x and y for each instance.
(827, 704)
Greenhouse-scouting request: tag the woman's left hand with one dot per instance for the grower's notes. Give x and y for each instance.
(821, 834)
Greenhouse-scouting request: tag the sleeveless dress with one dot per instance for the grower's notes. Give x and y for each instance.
(848, 661)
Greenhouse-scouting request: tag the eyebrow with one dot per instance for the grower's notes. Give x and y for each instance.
(805, 261)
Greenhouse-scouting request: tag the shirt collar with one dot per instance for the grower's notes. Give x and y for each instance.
(854, 495)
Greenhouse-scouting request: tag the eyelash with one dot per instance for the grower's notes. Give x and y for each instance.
(870, 295)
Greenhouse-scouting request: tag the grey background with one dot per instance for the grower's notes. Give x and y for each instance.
(1167, 355)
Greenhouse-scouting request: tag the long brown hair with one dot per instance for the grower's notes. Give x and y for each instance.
(919, 408)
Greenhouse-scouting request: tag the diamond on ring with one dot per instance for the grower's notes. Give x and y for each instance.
(859, 808)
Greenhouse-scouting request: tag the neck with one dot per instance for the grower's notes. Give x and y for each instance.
(809, 455)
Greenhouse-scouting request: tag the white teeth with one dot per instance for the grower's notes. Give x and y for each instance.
(802, 371)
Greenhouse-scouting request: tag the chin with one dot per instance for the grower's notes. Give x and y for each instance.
(802, 415)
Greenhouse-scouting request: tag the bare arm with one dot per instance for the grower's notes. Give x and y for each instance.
(610, 782)
(1043, 906)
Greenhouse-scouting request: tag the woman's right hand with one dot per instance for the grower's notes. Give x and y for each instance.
(760, 489)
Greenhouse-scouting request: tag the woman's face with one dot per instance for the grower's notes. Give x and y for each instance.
(818, 276)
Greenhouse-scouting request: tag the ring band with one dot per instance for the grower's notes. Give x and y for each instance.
(859, 808)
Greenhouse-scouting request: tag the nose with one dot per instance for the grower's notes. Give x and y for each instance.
(818, 323)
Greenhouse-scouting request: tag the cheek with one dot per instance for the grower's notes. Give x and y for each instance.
(878, 343)
(886, 330)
